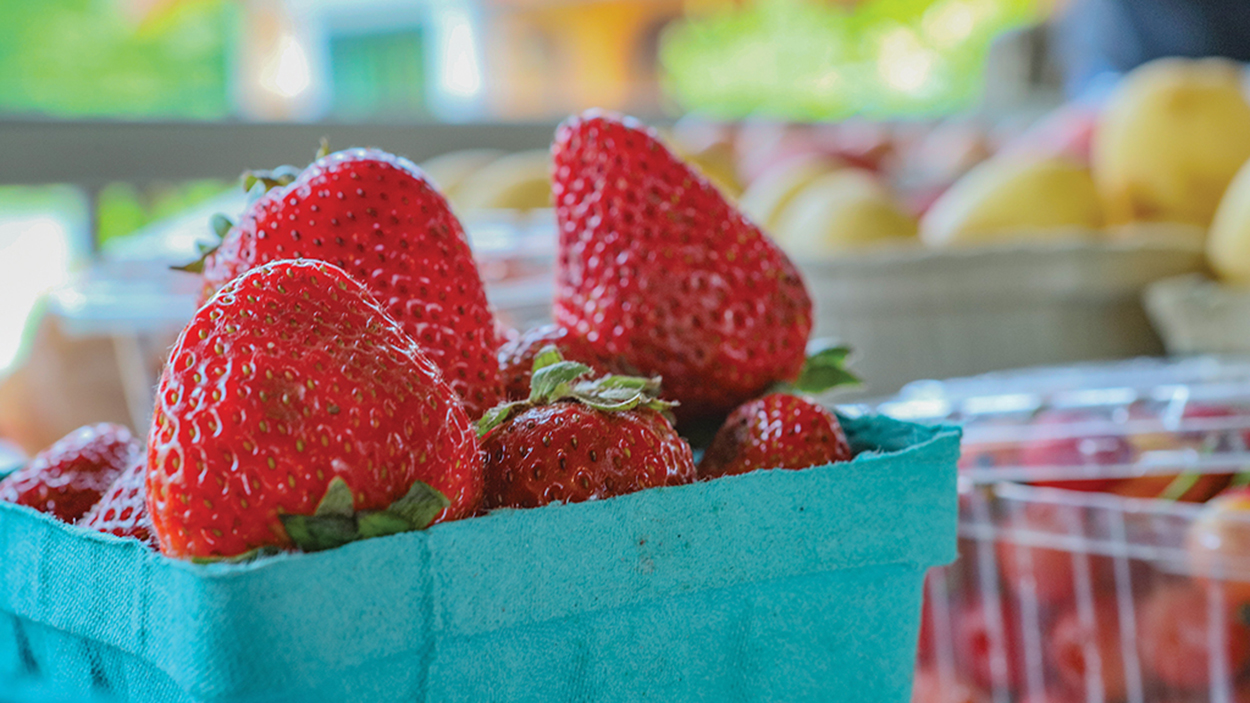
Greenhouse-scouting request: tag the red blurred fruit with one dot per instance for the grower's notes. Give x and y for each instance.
(69, 477)
(1078, 650)
(1051, 697)
(978, 641)
(1084, 455)
(929, 687)
(1218, 544)
(123, 510)
(1174, 629)
(1197, 489)
(1050, 574)
(925, 644)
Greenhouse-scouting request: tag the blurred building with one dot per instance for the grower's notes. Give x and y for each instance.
(449, 59)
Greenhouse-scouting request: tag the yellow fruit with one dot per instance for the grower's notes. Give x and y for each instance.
(1228, 246)
(520, 181)
(841, 211)
(769, 195)
(1014, 198)
(717, 163)
(1173, 134)
(449, 171)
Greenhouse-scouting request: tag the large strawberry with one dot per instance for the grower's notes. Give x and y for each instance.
(69, 477)
(123, 510)
(778, 431)
(292, 394)
(576, 439)
(378, 218)
(658, 269)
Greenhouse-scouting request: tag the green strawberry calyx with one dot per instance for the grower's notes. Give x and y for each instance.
(220, 224)
(336, 521)
(255, 183)
(824, 370)
(555, 379)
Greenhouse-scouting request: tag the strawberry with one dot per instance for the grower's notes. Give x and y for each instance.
(1174, 637)
(378, 218)
(69, 477)
(1046, 574)
(292, 395)
(1082, 456)
(123, 510)
(574, 439)
(929, 686)
(1217, 542)
(988, 649)
(1084, 651)
(516, 357)
(778, 431)
(657, 269)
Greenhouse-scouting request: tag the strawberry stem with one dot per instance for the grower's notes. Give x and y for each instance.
(336, 522)
(823, 370)
(220, 225)
(555, 379)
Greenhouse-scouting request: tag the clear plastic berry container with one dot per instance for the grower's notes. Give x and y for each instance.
(1092, 565)
(1067, 596)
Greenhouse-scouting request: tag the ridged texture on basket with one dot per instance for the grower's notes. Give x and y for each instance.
(778, 585)
(923, 314)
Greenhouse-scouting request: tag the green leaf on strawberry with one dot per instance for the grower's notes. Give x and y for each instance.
(555, 379)
(823, 371)
(336, 522)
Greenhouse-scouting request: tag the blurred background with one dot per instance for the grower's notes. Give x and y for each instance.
(124, 125)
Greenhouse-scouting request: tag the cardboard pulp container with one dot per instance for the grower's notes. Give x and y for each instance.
(924, 314)
(776, 585)
(1196, 315)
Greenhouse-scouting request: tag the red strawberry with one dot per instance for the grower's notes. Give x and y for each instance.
(576, 440)
(1082, 650)
(123, 510)
(378, 218)
(1218, 541)
(1083, 457)
(292, 385)
(516, 357)
(1174, 637)
(989, 652)
(69, 477)
(1047, 574)
(928, 686)
(778, 431)
(656, 269)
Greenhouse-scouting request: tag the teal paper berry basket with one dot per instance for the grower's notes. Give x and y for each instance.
(776, 585)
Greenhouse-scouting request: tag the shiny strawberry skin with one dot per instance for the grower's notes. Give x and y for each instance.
(516, 357)
(69, 477)
(289, 377)
(123, 510)
(656, 268)
(778, 431)
(378, 218)
(568, 452)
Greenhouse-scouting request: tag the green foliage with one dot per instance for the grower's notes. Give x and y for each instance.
(812, 60)
(75, 58)
(123, 208)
